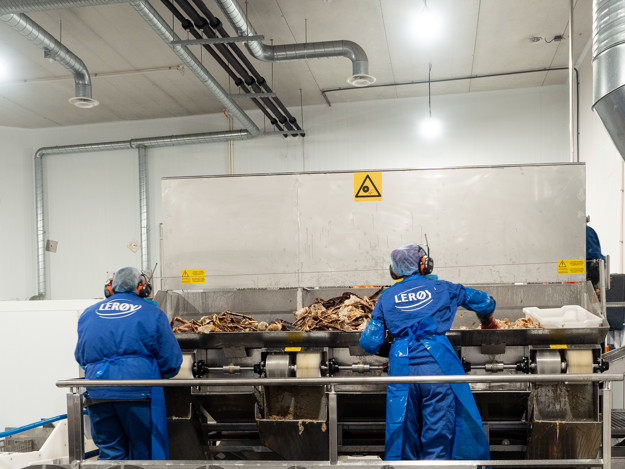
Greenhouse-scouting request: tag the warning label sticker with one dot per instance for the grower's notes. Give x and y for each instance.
(367, 186)
(193, 276)
(571, 266)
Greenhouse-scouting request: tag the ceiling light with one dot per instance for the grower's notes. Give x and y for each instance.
(427, 25)
(83, 102)
(430, 128)
(361, 80)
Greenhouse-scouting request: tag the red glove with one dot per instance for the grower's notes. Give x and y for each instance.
(491, 325)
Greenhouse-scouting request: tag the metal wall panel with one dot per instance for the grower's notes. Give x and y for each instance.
(500, 224)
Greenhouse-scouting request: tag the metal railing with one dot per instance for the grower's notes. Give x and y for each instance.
(76, 438)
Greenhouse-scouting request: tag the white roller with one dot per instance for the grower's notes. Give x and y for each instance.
(579, 361)
(308, 365)
(186, 369)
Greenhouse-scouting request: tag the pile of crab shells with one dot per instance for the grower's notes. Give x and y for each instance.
(346, 313)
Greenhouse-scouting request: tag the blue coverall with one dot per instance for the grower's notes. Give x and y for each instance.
(127, 337)
(427, 421)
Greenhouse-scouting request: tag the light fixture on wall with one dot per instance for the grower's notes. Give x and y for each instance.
(431, 127)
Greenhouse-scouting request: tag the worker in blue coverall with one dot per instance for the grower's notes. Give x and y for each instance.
(593, 254)
(430, 420)
(127, 336)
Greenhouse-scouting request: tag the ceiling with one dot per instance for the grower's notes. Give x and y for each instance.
(135, 75)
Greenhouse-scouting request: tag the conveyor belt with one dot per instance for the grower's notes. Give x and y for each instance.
(618, 423)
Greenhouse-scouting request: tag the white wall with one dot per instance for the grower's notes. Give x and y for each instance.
(92, 198)
(17, 228)
(38, 341)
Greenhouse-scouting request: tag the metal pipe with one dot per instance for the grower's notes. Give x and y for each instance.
(40, 208)
(333, 451)
(443, 80)
(607, 425)
(143, 209)
(546, 378)
(571, 88)
(58, 52)
(25, 6)
(217, 25)
(349, 49)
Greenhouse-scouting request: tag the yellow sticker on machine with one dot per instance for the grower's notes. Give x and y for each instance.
(557, 346)
(292, 349)
(571, 266)
(193, 276)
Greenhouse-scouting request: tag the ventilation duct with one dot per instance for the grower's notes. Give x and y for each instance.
(311, 50)
(26, 6)
(56, 51)
(608, 67)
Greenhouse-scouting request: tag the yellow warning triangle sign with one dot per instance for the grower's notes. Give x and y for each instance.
(367, 189)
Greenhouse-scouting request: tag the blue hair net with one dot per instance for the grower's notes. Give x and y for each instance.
(405, 260)
(126, 279)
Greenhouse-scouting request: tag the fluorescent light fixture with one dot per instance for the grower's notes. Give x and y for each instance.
(430, 128)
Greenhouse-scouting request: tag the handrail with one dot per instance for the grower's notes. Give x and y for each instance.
(547, 378)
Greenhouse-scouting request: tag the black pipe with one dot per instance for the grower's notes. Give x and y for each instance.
(201, 23)
(188, 26)
(216, 24)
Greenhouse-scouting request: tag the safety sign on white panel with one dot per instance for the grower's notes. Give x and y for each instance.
(367, 186)
(193, 276)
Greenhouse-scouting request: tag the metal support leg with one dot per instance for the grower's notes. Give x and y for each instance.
(607, 425)
(75, 427)
(333, 425)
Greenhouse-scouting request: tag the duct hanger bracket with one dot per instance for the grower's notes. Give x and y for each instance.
(218, 40)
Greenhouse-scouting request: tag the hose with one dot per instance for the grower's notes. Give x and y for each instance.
(32, 425)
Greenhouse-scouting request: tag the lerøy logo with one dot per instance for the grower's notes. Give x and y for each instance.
(117, 309)
(413, 299)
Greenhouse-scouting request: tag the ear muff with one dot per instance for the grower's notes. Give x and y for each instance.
(144, 289)
(108, 288)
(426, 265)
(394, 276)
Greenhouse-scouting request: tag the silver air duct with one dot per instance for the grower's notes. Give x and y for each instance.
(25, 6)
(312, 50)
(53, 49)
(140, 143)
(608, 67)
